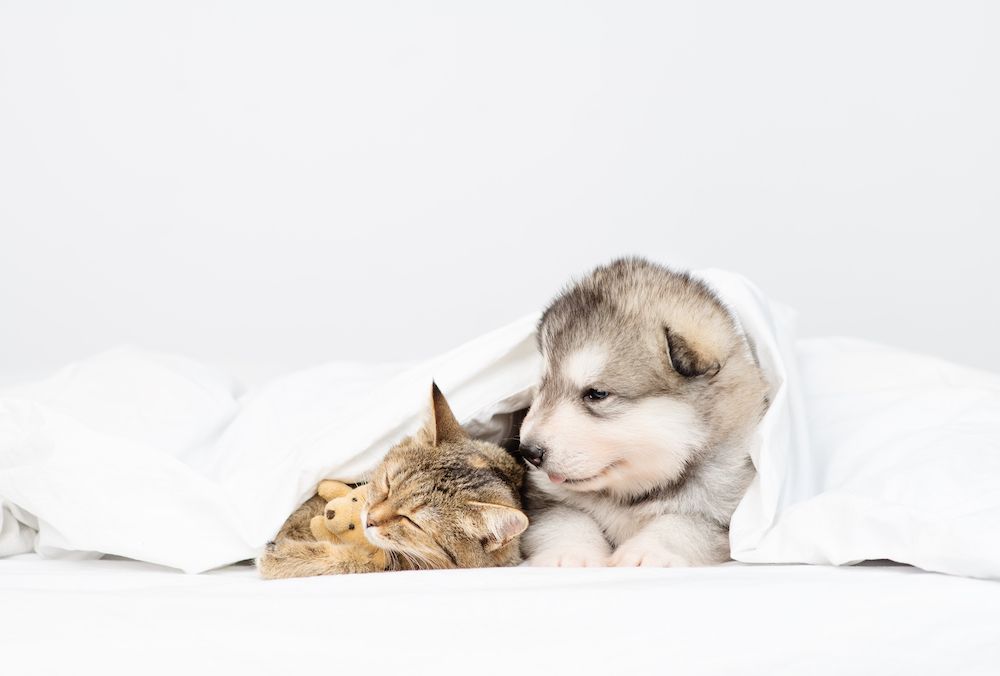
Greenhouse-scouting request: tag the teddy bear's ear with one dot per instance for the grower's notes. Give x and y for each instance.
(328, 490)
(442, 426)
(502, 524)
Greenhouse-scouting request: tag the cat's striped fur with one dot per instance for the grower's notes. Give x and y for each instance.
(439, 499)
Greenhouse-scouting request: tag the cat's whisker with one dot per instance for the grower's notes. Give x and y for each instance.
(391, 558)
(419, 559)
(414, 563)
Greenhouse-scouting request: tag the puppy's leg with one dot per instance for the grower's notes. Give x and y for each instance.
(563, 536)
(675, 540)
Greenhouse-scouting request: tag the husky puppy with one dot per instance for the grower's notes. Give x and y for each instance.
(639, 434)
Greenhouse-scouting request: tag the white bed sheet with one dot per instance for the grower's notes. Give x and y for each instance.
(208, 476)
(121, 616)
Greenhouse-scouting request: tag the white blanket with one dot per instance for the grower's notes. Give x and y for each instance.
(160, 459)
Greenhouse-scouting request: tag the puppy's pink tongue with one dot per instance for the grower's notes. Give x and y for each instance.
(556, 478)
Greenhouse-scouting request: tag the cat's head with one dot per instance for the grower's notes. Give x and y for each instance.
(441, 499)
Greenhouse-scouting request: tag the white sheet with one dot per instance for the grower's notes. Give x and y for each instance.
(124, 617)
(865, 453)
(153, 457)
(904, 463)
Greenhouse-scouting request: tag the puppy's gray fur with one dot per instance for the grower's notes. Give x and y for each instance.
(651, 473)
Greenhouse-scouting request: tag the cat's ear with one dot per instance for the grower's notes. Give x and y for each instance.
(442, 426)
(503, 524)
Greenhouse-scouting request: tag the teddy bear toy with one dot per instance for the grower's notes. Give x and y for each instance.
(340, 522)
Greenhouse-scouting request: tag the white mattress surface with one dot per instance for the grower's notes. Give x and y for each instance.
(119, 616)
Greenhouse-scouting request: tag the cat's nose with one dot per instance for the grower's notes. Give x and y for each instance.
(533, 453)
(371, 523)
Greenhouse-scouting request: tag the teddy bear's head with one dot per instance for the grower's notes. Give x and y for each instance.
(342, 515)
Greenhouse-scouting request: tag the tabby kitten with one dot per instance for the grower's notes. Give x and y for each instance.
(439, 499)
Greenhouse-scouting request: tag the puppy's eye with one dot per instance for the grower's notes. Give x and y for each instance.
(595, 395)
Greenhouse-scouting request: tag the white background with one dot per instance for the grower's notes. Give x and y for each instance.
(273, 185)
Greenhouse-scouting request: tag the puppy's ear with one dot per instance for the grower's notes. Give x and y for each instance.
(442, 425)
(685, 357)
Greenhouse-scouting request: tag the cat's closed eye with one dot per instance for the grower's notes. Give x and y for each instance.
(410, 521)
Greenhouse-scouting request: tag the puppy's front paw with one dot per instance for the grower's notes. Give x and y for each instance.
(580, 557)
(641, 552)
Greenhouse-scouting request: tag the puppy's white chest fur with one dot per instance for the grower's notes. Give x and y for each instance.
(619, 522)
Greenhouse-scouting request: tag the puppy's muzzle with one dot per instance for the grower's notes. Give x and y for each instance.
(533, 453)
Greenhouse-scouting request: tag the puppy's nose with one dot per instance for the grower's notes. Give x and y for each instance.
(533, 453)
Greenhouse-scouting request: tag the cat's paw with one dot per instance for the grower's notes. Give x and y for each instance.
(581, 557)
(646, 553)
